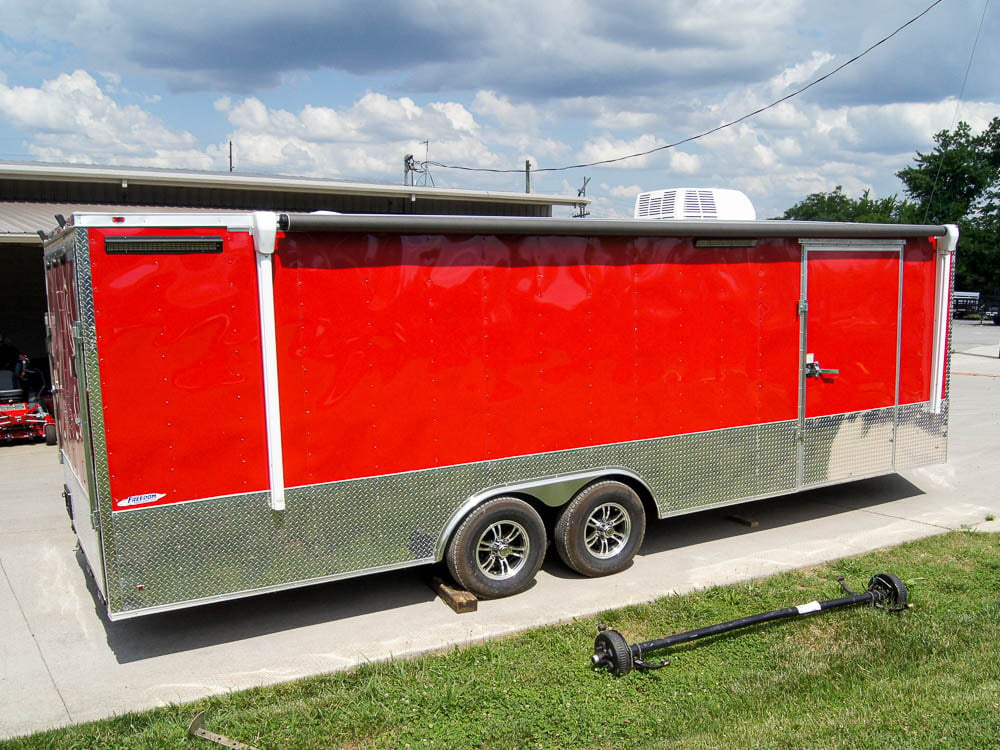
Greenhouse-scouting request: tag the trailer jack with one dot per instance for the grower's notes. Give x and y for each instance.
(612, 652)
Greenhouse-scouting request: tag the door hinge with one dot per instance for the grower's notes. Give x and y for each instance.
(802, 308)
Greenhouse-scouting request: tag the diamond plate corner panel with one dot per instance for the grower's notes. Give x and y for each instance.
(921, 436)
(94, 408)
(842, 446)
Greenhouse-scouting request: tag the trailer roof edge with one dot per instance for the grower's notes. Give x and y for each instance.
(292, 222)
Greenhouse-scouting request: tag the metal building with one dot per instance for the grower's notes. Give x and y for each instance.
(33, 194)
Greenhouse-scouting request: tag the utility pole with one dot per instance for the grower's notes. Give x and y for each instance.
(230, 156)
(527, 176)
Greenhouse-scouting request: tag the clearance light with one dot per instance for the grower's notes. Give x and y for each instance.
(725, 243)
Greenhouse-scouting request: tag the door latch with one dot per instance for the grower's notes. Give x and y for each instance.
(813, 370)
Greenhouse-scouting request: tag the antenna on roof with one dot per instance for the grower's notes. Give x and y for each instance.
(411, 168)
(581, 208)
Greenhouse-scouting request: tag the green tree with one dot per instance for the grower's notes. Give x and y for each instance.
(838, 206)
(956, 183)
(959, 183)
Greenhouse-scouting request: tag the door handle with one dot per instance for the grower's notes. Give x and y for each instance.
(813, 370)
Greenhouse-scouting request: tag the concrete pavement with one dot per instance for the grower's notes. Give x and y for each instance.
(62, 662)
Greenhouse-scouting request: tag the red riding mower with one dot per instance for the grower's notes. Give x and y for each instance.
(22, 416)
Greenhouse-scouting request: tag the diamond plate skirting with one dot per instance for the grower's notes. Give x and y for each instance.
(169, 556)
(844, 446)
(921, 437)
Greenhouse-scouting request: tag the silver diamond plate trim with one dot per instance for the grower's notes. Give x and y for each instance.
(226, 547)
(230, 546)
(845, 446)
(91, 382)
(690, 472)
(921, 437)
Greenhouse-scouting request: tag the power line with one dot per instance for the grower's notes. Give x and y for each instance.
(958, 105)
(713, 130)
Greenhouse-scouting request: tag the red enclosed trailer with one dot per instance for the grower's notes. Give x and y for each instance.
(250, 402)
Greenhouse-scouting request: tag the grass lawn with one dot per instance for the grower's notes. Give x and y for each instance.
(858, 677)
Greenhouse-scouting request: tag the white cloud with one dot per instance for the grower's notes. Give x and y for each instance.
(559, 82)
(795, 76)
(70, 118)
(607, 147)
(623, 191)
(625, 120)
(458, 116)
(368, 138)
(685, 164)
(375, 117)
(503, 113)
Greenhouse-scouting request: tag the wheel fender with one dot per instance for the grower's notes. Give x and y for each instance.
(553, 491)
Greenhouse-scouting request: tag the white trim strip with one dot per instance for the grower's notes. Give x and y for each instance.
(265, 230)
(942, 316)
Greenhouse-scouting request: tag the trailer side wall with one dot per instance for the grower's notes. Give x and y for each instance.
(435, 351)
(418, 370)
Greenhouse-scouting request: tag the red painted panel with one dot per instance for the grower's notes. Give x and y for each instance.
(853, 308)
(178, 340)
(919, 267)
(399, 353)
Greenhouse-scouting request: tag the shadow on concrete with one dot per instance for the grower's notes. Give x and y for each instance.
(239, 619)
(735, 520)
(775, 512)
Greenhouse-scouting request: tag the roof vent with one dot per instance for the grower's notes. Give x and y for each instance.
(694, 203)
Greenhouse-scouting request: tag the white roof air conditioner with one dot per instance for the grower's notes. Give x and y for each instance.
(694, 203)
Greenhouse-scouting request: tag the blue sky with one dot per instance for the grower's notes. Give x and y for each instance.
(345, 89)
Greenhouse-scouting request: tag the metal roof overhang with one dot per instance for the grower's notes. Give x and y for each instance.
(236, 181)
(20, 222)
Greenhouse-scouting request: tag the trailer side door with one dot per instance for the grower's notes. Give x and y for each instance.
(849, 359)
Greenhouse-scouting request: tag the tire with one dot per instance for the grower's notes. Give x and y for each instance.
(498, 548)
(50, 434)
(613, 653)
(601, 529)
(892, 589)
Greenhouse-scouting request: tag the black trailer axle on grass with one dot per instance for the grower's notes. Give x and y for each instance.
(612, 651)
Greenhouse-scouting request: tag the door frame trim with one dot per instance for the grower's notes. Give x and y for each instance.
(888, 246)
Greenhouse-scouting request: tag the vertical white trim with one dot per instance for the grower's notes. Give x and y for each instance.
(265, 231)
(942, 316)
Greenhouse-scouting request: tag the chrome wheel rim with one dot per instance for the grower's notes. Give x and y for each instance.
(502, 550)
(608, 529)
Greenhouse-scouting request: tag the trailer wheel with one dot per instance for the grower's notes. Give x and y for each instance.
(498, 548)
(601, 529)
(50, 434)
